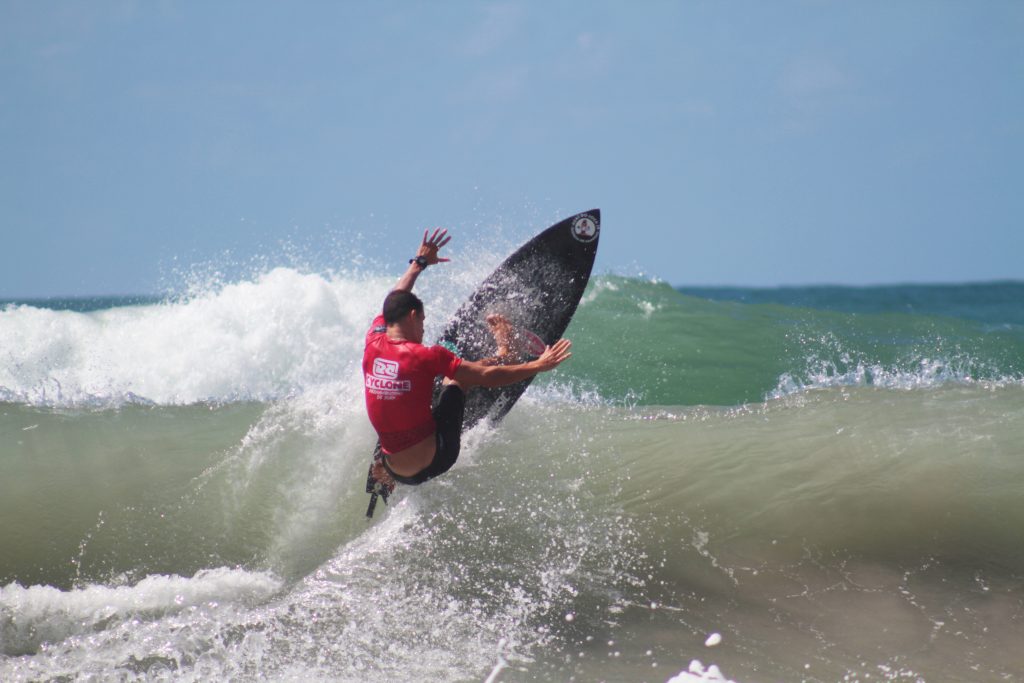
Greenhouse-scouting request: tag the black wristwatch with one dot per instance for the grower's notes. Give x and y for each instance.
(420, 261)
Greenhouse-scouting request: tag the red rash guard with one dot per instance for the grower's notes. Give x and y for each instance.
(399, 380)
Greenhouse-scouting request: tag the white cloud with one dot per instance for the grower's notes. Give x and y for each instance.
(812, 77)
(500, 24)
(588, 57)
(500, 84)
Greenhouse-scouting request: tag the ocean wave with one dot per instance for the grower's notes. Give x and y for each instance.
(284, 332)
(255, 340)
(571, 541)
(642, 342)
(31, 616)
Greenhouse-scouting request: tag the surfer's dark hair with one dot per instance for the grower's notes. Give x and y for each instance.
(398, 303)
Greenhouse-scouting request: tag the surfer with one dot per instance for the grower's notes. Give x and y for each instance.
(417, 442)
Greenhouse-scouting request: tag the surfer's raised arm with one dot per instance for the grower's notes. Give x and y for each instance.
(425, 256)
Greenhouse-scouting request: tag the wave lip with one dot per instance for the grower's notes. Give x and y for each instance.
(252, 340)
(34, 615)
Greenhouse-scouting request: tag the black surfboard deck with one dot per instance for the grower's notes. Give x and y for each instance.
(537, 288)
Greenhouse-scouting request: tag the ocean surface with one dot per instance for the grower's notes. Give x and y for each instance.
(797, 484)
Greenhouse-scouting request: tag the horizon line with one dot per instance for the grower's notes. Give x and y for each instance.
(157, 296)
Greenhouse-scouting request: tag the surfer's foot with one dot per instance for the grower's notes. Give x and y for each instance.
(502, 331)
(382, 476)
(511, 346)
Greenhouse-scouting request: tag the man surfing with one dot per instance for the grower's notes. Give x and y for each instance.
(419, 442)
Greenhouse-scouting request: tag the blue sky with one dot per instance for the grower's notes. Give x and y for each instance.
(749, 143)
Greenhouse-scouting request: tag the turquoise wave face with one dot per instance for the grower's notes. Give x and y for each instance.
(995, 303)
(639, 342)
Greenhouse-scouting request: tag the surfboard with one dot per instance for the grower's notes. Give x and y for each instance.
(538, 288)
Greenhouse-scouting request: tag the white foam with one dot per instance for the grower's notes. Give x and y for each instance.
(926, 373)
(30, 616)
(697, 673)
(598, 287)
(271, 336)
(252, 340)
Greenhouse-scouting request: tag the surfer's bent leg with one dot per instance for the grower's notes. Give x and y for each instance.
(401, 479)
(448, 416)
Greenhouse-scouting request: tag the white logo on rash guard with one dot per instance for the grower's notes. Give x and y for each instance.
(384, 382)
(385, 368)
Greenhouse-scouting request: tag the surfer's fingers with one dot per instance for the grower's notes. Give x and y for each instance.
(557, 352)
(562, 345)
(560, 350)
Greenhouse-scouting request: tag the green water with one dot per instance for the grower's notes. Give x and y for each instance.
(646, 343)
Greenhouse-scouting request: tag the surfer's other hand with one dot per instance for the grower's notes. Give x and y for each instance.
(554, 355)
(428, 249)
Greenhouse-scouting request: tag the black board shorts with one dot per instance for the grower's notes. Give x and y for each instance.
(448, 417)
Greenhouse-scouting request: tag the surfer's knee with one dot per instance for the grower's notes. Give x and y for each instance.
(448, 382)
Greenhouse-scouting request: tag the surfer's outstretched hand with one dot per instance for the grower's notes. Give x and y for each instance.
(554, 355)
(430, 246)
(428, 250)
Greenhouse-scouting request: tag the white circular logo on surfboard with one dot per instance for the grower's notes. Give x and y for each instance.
(585, 228)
